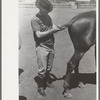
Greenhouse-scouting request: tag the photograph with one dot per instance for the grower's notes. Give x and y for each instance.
(57, 50)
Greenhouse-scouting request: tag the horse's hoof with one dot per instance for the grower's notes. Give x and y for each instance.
(68, 95)
(81, 85)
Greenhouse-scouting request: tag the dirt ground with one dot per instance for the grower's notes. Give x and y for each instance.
(63, 52)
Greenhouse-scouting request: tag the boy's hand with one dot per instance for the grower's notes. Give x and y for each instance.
(55, 28)
(61, 27)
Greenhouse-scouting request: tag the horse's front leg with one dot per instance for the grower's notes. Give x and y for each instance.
(71, 65)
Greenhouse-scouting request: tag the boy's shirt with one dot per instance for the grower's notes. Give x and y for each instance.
(42, 23)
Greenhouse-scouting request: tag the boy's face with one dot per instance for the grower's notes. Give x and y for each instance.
(44, 11)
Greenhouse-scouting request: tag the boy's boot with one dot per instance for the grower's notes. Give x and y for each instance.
(41, 84)
(48, 80)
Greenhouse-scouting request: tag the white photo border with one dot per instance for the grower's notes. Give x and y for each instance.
(9, 54)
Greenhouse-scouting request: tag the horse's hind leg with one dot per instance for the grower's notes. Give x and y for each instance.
(71, 65)
(79, 83)
(76, 69)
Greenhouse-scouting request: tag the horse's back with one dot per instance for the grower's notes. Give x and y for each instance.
(83, 30)
(89, 14)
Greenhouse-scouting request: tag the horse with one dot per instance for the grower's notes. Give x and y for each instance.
(82, 31)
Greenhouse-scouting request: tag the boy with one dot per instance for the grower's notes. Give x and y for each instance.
(43, 30)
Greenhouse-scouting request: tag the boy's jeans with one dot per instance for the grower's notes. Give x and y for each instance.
(45, 56)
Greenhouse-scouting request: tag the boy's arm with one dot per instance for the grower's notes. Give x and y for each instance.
(36, 28)
(45, 33)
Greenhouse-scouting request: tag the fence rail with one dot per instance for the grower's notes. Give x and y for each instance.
(30, 5)
(86, 6)
(33, 5)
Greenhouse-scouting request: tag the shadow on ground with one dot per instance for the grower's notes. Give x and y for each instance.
(22, 98)
(86, 78)
(20, 71)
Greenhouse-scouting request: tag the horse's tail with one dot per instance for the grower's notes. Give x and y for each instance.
(65, 26)
(69, 23)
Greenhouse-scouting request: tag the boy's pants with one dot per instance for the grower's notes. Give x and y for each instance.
(45, 56)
